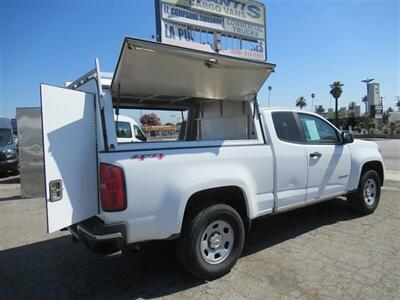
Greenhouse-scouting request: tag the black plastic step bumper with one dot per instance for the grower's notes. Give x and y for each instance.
(99, 237)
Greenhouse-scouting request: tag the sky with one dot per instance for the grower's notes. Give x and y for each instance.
(313, 43)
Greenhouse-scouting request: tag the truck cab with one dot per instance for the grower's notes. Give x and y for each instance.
(231, 162)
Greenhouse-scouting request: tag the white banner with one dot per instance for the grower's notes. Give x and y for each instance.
(246, 10)
(181, 15)
(180, 35)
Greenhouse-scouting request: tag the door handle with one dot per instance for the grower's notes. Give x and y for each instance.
(56, 190)
(315, 154)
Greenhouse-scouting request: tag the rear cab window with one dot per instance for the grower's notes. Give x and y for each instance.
(286, 127)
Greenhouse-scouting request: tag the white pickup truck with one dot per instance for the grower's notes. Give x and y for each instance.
(233, 162)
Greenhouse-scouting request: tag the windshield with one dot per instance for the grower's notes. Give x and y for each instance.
(5, 137)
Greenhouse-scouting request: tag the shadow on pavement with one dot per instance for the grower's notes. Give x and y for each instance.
(8, 180)
(57, 268)
(11, 198)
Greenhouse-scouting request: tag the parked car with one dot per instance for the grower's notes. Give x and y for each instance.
(8, 148)
(233, 162)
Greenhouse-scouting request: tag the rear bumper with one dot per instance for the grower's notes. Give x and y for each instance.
(99, 237)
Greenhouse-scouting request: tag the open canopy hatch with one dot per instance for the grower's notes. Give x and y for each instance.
(154, 74)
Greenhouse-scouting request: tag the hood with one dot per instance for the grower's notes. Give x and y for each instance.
(363, 143)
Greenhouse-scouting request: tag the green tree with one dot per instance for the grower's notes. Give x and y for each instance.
(149, 120)
(336, 92)
(385, 117)
(320, 109)
(301, 102)
(394, 127)
(365, 122)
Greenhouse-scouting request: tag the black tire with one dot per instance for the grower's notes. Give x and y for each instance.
(358, 201)
(189, 244)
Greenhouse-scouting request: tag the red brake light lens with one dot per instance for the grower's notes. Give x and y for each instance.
(112, 188)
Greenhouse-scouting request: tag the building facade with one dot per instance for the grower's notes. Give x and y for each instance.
(374, 106)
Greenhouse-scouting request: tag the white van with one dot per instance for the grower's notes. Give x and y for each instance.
(128, 130)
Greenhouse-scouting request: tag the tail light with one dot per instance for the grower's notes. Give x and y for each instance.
(112, 188)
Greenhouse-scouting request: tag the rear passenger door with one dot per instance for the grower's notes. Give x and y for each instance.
(290, 160)
(329, 161)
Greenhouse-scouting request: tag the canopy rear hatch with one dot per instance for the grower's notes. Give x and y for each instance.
(154, 74)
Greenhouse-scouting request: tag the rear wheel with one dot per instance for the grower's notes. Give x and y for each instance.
(365, 200)
(211, 242)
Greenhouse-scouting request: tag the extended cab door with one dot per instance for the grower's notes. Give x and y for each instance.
(290, 160)
(70, 156)
(329, 161)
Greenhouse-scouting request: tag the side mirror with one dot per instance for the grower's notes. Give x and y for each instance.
(142, 138)
(347, 138)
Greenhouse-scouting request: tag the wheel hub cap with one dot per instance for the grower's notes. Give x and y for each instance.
(370, 191)
(217, 242)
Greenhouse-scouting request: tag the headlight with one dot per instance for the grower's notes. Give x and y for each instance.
(10, 153)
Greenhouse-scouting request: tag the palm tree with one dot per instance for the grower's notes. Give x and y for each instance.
(301, 102)
(269, 95)
(365, 101)
(312, 101)
(320, 109)
(336, 92)
(398, 105)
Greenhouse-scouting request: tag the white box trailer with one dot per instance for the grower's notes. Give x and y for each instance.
(231, 164)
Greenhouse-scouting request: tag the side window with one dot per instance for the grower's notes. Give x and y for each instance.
(317, 130)
(123, 129)
(286, 126)
(139, 133)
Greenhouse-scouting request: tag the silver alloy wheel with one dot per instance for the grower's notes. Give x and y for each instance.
(370, 191)
(217, 242)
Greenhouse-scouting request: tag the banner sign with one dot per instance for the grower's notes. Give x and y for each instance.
(245, 10)
(229, 27)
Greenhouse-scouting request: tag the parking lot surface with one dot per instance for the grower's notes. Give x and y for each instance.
(318, 252)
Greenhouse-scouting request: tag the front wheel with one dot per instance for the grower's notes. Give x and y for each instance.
(211, 242)
(365, 200)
